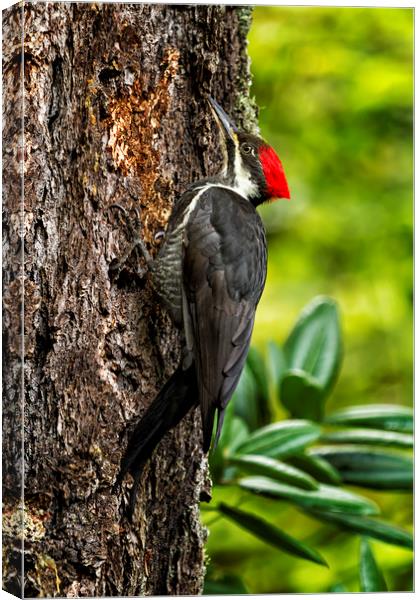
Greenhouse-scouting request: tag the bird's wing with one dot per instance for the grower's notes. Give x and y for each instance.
(224, 269)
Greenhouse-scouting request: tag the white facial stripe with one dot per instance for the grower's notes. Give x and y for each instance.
(243, 184)
(223, 147)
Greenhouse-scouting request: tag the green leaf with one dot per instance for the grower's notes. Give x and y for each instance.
(381, 416)
(371, 578)
(228, 585)
(245, 400)
(258, 369)
(373, 528)
(234, 432)
(325, 497)
(369, 468)
(370, 436)
(270, 534)
(280, 439)
(314, 345)
(316, 466)
(338, 588)
(226, 433)
(276, 364)
(270, 467)
(239, 433)
(302, 395)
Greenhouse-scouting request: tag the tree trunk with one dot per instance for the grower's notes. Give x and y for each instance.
(114, 112)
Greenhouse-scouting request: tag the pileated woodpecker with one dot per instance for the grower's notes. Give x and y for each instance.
(210, 273)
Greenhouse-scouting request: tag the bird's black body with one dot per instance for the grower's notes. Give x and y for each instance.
(224, 270)
(210, 274)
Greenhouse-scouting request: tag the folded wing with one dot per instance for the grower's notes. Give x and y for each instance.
(224, 266)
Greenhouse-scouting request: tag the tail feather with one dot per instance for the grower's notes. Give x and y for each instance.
(207, 420)
(172, 403)
(208, 426)
(220, 419)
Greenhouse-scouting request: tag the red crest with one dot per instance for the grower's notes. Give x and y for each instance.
(277, 186)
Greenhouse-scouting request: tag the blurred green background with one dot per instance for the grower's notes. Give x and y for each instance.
(335, 91)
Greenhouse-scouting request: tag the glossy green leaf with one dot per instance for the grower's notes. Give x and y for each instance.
(325, 497)
(226, 433)
(373, 528)
(270, 467)
(316, 466)
(380, 416)
(245, 399)
(375, 437)
(257, 365)
(239, 433)
(276, 364)
(234, 432)
(338, 588)
(314, 345)
(228, 585)
(371, 577)
(302, 395)
(270, 534)
(368, 467)
(280, 439)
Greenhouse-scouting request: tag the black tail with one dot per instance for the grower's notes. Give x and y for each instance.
(172, 403)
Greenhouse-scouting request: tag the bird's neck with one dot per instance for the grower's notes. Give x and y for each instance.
(235, 176)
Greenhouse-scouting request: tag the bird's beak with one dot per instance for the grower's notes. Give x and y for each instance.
(226, 126)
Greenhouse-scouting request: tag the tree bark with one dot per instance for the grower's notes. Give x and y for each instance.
(114, 112)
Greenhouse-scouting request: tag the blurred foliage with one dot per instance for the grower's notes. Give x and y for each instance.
(335, 91)
(274, 480)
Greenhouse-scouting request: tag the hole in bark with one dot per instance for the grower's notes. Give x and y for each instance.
(57, 84)
(205, 496)
(94, 201)
(44, 344)
(64, 267)
(103, 113)
(28, 58)
(126, 278)
(107, 74)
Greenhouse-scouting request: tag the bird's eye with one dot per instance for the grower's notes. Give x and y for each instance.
(246, 149)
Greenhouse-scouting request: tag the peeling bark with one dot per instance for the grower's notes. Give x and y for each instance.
(115, 112)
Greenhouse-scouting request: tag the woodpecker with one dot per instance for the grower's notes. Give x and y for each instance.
(210, 273)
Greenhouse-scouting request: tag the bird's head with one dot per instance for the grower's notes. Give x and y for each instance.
(251, 166)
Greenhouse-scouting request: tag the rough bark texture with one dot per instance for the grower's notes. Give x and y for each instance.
(114, 113)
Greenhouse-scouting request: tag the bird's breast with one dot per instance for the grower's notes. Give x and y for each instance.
(167, 268)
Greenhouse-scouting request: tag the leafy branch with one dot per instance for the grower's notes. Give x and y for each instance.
(308, 459)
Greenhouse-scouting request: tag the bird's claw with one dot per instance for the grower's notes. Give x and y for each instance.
(128, 219)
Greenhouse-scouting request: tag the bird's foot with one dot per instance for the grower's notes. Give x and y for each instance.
(133, 225)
